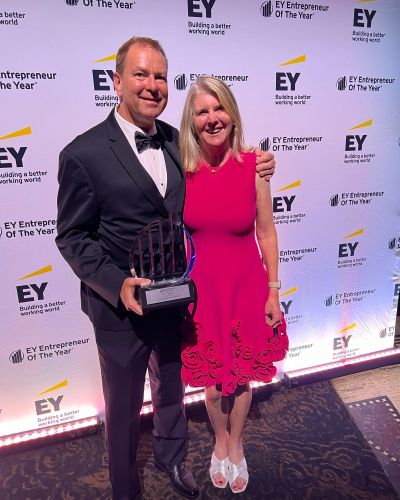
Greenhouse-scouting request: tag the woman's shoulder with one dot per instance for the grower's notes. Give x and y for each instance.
(248, 157)
(248, 154)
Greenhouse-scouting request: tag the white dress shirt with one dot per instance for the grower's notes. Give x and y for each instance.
(152, 159)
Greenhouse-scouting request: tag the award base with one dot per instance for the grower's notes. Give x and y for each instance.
(166, 294)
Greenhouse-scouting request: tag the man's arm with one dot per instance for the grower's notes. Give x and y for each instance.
(265, 163)
(77, 225)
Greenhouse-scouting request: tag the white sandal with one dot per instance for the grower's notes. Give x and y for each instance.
(236, 471)
(219, 466)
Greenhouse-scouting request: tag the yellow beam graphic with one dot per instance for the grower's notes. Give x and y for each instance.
(368, 123)
(46, 269)
(356, 233)
(64, 383)
(17, 133)
(288, 292)
(353, 325)
(299, 59)
(108, 58)
(289, 186)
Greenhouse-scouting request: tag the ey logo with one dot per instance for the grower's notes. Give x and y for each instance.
(287, 303)
(284, 203)
(180, 82)
(103, 79)
(288, 81)
(267, 9)
(32, 291)
(394, 243)
(200, 8)
(12, 157)
(265, 144)
(49, 405)
(342, 341)
(348, 249)
(362, 18)
(355, 142)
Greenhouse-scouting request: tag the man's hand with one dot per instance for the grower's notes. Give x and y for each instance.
(265, 163)
(127, 294)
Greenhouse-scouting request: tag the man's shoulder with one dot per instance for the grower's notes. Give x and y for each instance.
(169, 131)
(90, 136)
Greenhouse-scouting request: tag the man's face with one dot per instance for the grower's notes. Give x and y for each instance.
(142, 86)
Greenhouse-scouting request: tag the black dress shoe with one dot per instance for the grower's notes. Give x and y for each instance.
(181, 479)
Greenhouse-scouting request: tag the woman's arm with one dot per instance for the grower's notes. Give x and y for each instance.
(268, 242)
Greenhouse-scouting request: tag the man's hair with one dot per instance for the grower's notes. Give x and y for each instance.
(141, 41)
(188, 140)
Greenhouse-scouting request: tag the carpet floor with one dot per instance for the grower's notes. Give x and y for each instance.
(300, 444)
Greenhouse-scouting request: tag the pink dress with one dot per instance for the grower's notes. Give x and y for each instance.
(225, 335)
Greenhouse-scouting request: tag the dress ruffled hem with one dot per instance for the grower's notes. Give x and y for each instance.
(203, 368)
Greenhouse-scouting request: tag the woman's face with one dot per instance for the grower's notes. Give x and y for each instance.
(212, 123)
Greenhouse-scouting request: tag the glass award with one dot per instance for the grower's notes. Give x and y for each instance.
(164, 253)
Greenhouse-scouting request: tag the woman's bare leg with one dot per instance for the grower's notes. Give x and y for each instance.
(237, 419)
(219, 421)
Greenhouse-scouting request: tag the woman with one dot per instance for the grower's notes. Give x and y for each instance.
(226, 337)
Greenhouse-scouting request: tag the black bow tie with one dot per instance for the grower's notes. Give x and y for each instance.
(144, 141)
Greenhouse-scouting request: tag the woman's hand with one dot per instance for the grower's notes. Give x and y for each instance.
(273, 309)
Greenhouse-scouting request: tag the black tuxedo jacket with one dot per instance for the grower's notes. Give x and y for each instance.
(105, 198)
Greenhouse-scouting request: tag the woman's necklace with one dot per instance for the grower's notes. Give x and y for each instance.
(216, 168)
(213, 170)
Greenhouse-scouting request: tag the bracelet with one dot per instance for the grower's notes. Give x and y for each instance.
(274, 284)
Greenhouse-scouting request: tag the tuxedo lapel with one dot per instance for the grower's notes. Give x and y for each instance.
(175, 193)
(174, 153)
(127, 158)
(170, 143)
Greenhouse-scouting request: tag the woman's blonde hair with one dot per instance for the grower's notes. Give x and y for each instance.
(188, 139)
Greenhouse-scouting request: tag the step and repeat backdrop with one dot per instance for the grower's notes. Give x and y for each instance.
(317, 83)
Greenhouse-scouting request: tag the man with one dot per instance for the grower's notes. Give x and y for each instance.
(110, 188)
